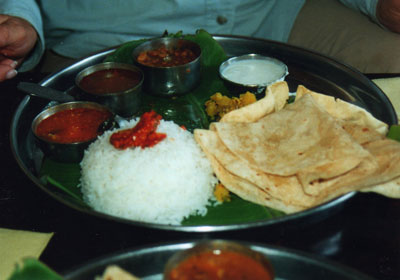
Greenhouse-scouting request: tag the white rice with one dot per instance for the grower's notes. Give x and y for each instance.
(162, 184)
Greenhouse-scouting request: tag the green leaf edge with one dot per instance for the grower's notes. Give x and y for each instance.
(33, 269)
(394, 132)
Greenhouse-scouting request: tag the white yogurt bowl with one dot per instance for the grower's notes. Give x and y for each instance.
(252, 72)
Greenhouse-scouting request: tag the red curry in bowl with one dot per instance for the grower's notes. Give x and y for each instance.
(217, 266)
(171, 66)
(110, 81)
(118, 86)
(72, 125)
(64, 131)
(218, 260)
(166, 57)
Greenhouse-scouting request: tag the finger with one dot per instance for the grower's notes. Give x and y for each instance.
(7, 72)
(11, 61)
(8, 61)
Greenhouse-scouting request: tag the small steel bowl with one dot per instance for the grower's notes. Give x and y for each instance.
(108, 84)
(216, 247)
(64, 152)
(172, 80)
(251, 72)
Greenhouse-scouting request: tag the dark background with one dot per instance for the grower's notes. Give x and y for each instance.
(364, 235)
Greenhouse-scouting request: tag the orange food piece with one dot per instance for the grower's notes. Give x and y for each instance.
(218, 105)
(221, 193)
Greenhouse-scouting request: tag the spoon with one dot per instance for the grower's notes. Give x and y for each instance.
(60, 96)
(44, 92)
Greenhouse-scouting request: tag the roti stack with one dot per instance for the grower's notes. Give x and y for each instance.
(295, 156)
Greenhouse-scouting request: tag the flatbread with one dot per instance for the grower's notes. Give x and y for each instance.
(389, 189)
(296, 156)
(275, 98)
(387, 154)
(286, 189)
(361, 134)
(383, 167)
(386, 178)
(300, 139)
(241, 187)
(348, 182)
(344, 111)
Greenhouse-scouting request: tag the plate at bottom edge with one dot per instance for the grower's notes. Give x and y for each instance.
(148, 263)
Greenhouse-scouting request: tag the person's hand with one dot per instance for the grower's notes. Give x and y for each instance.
(17, 39)
(388, 13)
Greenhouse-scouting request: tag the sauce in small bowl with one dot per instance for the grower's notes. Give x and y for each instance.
(64, 131)
(111, 80)
(171, 65)
(115, 85)
(218, 260)
(165, 57)
(252, 72)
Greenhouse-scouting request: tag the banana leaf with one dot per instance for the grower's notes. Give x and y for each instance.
(32, 269)
(187, 110)
(394, 132)
(64, 177)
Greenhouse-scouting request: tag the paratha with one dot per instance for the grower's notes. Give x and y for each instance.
(345, 111)
(286, 189)
(295, 156)
(240, 186)
(275, 99)
(301, 139)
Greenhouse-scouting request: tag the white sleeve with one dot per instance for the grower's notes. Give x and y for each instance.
(28, 10)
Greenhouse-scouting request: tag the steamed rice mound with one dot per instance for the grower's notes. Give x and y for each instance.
(162, 184)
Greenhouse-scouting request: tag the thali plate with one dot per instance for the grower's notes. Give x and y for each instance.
(314, 71)
(148, 263)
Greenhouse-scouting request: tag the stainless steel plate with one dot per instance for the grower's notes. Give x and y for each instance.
(148, 263)
(314, 71)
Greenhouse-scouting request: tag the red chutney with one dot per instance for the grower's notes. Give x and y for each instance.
(143, 134)
(163, 57)
(226, 265)
(110, 81)
(72, 125)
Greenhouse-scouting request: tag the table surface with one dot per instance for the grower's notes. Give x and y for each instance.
(364, 234)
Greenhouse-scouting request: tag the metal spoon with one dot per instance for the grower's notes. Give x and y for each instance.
(44, 92)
